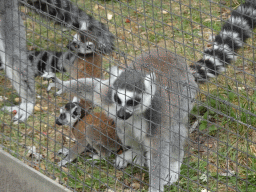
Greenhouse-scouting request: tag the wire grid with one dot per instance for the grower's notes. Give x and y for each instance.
(220, 150)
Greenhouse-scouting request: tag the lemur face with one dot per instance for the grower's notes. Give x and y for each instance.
(133, 93)
(127, 103)
(69, 114)
(80, 45)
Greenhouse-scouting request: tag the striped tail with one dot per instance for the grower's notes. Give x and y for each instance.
(66, 12)
(47, 61)
(231, 38)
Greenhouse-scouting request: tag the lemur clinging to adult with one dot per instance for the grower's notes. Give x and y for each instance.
(95, 129)
(150, 99)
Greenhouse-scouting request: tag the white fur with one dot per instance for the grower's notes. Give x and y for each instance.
(24, 110)
(84, 26)
(76, 38)
(125, 95)
(210, 75)
(234, 35)
(2, 51)
(241, 22)
(76, 100)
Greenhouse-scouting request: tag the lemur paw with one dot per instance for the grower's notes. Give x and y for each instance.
(120, 162)
(59, 84)
(48, 76)
(64, 151)
(64, 162)
(129, 157)
(23, 111)
(66, 155)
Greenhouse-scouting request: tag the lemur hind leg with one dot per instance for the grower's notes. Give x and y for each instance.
(14, 58)
(71, 155)
(164, 161)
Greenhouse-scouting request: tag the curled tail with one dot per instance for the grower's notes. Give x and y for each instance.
(231, 38)
(66, 12)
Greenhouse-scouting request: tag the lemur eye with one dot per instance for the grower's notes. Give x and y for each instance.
(117, 99)
(74, 114)
(133, 102)
(63, 116)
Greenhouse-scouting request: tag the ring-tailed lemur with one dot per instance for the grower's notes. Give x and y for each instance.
(67, 13)
(94, 129)
(150, 100)
(13, 55)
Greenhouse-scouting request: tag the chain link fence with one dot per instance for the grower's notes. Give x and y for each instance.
(132, 95)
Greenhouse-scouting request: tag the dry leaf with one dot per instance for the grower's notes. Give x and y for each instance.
(99, 7)
(64, 169)
(42, 166)
(135, 185)
(44, 108)
(3, 98)
(37, 107)
(165, 12)
(109, 190)
(127, 20)
(109, 16)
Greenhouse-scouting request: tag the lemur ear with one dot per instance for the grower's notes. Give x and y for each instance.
(76, 38)
(76, 100)
(150, 85)
(114, 72)
(78, 110)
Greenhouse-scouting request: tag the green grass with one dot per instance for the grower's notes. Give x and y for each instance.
(225, 106)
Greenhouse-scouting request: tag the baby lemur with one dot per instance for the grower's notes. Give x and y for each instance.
(94, 129)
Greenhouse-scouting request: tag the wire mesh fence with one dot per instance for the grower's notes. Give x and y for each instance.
(131, 95)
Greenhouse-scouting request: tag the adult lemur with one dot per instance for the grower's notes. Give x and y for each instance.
(15, 59)
(150, 99)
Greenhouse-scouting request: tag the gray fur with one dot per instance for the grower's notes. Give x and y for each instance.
(169, 90)
(130, 80)
(14, 58)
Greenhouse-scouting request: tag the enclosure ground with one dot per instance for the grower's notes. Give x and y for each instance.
(221, 152)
